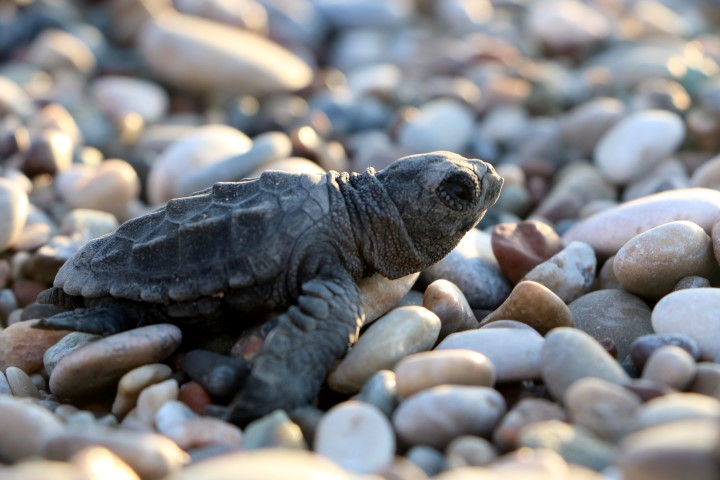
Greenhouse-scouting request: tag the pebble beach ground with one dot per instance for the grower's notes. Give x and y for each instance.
(575, 334)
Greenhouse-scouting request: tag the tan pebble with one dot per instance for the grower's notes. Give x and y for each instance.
(514, 352)
(357, 436)
(435, 416)
(528, 410)
(57, 49)
(150, 455)
(680, 449)
(533, 304)
(469, 450)
(535, 463)
(23, 346)
(26, 426)
(380, 294)
(13, 214)
(100, 364)
(134, 381)
(153, 397)
(203, 432)
(98, 463)
(20, 383)
(707, 379)
(606, 409)
(445, 300)
(651, 263)
(424, 370)
(670, 365)
(677, 406)
(267, 464)
(399, 333)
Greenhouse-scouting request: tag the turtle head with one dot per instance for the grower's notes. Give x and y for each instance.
(439, 196)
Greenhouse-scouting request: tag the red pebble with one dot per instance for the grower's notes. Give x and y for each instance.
(519, 247)
(194, 396)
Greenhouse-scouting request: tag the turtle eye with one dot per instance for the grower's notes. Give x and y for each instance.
(457, 193)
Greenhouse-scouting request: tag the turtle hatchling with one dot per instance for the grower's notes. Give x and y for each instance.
(295, 244)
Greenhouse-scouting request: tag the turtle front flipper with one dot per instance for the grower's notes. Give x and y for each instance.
(100, 320)
(297, 354)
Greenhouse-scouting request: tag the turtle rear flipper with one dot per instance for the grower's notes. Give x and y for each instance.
(100, 320)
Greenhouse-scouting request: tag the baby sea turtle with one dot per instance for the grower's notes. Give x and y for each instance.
(282, 242)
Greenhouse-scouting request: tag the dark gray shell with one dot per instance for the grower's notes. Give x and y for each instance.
(231, 236)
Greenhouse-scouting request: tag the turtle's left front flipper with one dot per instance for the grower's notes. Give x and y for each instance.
(101, 320)
(298, 353)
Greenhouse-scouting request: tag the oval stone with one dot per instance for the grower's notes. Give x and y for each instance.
(421, 371)
(218, 57)
(569, 354)
(675, 407)
(672, 366)
(23, 346)
(694, 312)
(100, 364)
(442, 124)
(520, 247)
(535, 305)
(637, 143)
(651, 263)
(399, 333)
(357, 436)
(514, 352)
(26, 426)
(445, 300)
(436, 416)
(14, 207)
(380, 294)
(607, 231)
(569, 273)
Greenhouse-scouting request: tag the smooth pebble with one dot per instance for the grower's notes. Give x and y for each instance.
(357, 436)
(515, 353)
(120, 96)
(569, 273)
(672, 366)
(447, 301)
(399, 333)
(14, 211)
(134, 382)
(380, 294)
(26, 427)
(520, 247)
(20, 384)
(677, 406)
(525, 412)
(442, 124)
(23, 346)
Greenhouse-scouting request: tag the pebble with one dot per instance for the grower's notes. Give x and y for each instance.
(111, 187)
(569, 354)
(101, 363)
(274, 430)
(447, 301)
(672, 366)
(23, 346)
(49, 153)
(566, 24)
(380, 294)
(638, 143)
(650, 264)
(172, 413)
(13, 213)
(399, 333)
(20, 384)
(152, 397)
(604, 408)
(134, 382)
(520, 247)
(98, 462)
(66, 345)
(27, 427)
(205, 146)
(515, 353)
(357, 436)
(442, 124)
(670, 314)
(569, 273)
(251, 64)
(682, 449)
(614, 314)
(194, 396)
(56, 49)
(472, 267)
(150, 455)
(532, 304)
(267, 464)
(643, 347)
(674, 407)
(608, 230)
(421, 371)
(436, 416)
(429, 459)
(119, 96)
(4, 385)
(583, 126)
(203, 432)
(380, 390)
(707, 379)
(573, 443)
(470, 450)
(525, 412)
